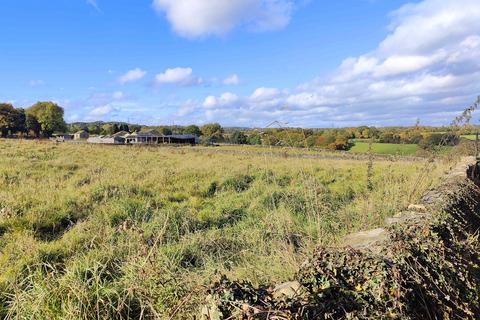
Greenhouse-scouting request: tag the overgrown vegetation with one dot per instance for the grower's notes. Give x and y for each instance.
(138, 233)
(426, 270)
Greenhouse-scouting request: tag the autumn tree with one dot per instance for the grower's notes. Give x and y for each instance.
(213, 132)
(108, 129)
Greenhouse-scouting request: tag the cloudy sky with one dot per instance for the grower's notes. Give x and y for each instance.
(311, 63)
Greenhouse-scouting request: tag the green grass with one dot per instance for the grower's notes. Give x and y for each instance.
(386, 148)
(125, 232)
(469, 137)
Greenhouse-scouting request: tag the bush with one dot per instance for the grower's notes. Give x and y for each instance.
(238, 183)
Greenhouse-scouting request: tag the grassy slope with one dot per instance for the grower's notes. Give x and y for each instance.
(119, 232)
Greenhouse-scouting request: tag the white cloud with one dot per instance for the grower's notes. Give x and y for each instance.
(36, 83)
(262, 94)
(231, 80)
(104, 98)
(427, 67)
(426, 26)
(101, 111)
(132, 76)
(118, 95)
(195, 18)
(178, 76)
(186, 108)
(226, 100)
(94, 4)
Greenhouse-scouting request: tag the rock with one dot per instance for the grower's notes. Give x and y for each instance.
(288, 290)
(407, 217)
(417, 208)
(369, 240)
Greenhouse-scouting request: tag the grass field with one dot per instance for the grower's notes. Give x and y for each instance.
(386, 148)
(472, 137)
(104, 232)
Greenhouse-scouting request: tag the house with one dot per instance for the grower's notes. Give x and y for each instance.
(106, 140)
(154, 137)
(81, 135)
(145, 137)
(149, 137)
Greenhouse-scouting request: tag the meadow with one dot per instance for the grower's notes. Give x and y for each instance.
(471, 137)
(386, 148)
(126, 232)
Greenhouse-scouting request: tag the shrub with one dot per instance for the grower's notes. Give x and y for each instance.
(238, 183)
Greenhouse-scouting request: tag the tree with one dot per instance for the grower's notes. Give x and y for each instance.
(94, 128)
(6, 118)
(123, 127)
(135, 127)
(32, 125)
(49, 116)
(11, 120)
(193, 129)
(166, 131)
(19, 120)
(108, 129)
(238, 137)
(213, 132)
(254, 139)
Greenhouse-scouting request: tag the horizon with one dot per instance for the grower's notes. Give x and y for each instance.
(264, 128)
(244, 63)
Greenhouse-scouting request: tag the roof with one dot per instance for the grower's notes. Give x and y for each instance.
(183, 136)
(149, 133)
(81, 131)
(105, 138)
(121, 134)
(62, 134)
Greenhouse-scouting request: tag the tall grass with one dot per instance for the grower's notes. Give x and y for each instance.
(98, 232)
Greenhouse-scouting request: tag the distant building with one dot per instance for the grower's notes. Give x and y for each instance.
(62, 137)
(150, 137)
(81, 135)
(144, 137)
(184, 139)
(154, 137)
(106, 140)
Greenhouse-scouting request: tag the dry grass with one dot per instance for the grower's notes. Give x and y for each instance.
(130, 232)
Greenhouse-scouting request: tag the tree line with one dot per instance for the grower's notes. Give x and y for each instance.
(46, 118)
(332, 139)
(40, 120)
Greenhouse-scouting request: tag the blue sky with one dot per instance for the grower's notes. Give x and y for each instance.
(311, 63)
